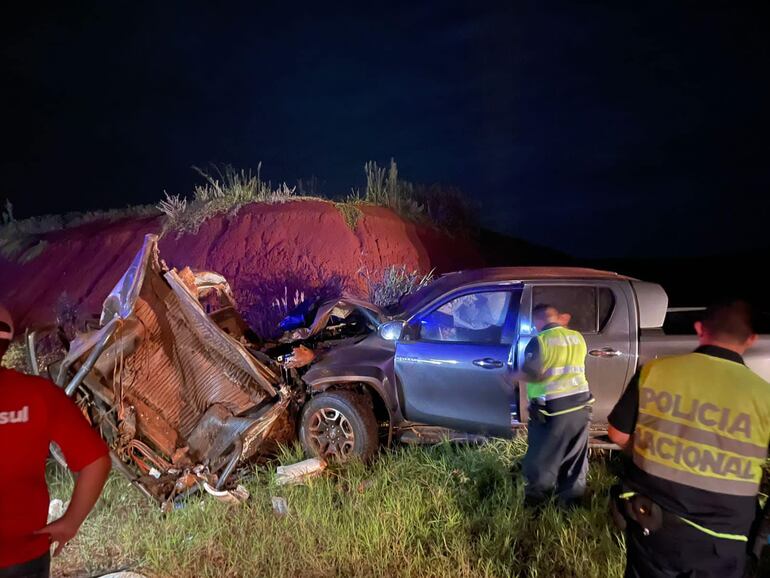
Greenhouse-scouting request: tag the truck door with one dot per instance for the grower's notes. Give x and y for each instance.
(454, 367)
(601, 312)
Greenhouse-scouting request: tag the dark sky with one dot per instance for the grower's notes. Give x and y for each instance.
(599, 128)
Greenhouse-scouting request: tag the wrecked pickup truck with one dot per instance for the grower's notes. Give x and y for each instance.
(442, 362)
(184, 393)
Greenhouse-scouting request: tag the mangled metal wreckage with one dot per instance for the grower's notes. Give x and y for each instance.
(173, 390)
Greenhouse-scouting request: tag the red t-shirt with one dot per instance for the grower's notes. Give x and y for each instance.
(33, 413)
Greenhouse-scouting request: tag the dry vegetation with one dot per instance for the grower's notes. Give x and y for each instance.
(226, 190)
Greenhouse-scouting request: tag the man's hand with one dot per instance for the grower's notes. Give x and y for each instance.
(60, 531)
(624, 440)
(88, 486)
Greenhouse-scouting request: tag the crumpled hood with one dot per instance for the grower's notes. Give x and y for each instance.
(340, 308)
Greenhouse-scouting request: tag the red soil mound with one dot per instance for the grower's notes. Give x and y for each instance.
(265, 251)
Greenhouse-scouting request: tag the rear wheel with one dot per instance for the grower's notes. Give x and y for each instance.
(339, 425)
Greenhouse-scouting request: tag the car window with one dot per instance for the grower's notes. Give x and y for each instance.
(606, 306)
(590, 309)
(472, 318)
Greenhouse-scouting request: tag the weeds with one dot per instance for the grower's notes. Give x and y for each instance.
(16, 356)
(310, 187)
(267, 302)
(175, 208)
(351, 213)
(393, 283)
(385, 189)
(286, 304)
(20, 240)
(6, 217)
(224, 191)
(446, 208)
(442, 511)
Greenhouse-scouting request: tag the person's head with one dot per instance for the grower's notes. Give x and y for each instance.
(6, 330)
(727, 324)
(544, 314)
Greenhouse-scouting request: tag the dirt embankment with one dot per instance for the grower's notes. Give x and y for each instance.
(266, 252)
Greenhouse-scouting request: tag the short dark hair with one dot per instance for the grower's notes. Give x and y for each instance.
(732, 319)
(541, 308)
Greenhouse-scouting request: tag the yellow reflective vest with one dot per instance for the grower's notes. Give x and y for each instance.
(562, 357)
(703, 422)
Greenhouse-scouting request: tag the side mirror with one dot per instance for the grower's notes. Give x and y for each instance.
(391, 331)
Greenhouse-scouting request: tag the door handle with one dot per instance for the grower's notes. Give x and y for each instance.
(605, 352)
(488, 363)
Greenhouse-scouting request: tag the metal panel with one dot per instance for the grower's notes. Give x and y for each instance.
(652, 302)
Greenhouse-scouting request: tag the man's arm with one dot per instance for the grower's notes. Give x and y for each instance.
(88, 486)
(86, 454)
(622, 418)
(532, 369)
(623, 440)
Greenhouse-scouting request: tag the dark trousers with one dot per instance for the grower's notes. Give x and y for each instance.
(37, 568)
(557, 457)
(681, 551)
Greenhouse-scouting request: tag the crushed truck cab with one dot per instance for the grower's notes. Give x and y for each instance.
(179, 399)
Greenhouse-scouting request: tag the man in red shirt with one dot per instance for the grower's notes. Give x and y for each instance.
(34, 413)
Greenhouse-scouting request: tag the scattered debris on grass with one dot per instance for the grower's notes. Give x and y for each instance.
(56, 509)
(300, 472)
(280, 507)
(233, 497)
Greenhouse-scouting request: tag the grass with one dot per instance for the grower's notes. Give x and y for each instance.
(441, 511)
(384, 188)
(20, 239)
(226, 190)
(387, 286)
(16, 356)
(445, 207)
(351, 213)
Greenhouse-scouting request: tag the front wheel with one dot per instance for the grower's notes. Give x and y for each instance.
(339, 425)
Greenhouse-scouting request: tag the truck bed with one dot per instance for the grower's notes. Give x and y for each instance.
(654, 343)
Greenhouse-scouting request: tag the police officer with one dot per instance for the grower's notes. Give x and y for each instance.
(557, 389)
(698, 428)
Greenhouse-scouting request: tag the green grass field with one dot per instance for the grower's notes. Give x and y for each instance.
(441, 511)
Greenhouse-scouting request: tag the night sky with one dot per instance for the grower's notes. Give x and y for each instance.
(598, 129)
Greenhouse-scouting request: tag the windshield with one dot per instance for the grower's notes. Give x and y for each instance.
(412, 302)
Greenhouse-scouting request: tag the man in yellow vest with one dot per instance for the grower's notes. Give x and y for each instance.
(698, 428)
(559, 410)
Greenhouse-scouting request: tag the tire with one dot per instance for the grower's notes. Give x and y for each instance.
(338, 426)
